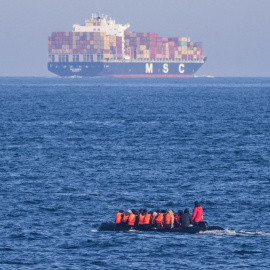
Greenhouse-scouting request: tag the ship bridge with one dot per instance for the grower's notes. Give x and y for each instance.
(101, 23)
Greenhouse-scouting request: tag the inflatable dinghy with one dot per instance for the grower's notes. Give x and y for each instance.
(201, 227)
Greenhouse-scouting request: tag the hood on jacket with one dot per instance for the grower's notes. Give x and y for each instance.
(197, 204)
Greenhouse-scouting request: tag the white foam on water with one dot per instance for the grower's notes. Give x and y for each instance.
(219, 232)
(94, 230)
(232, 233)
(255, 233)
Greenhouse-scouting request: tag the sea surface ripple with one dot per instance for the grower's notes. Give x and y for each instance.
(75, 151)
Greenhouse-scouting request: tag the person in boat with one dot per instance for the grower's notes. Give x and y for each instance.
(148, 220)
(160, 219)
(137, 218)
(133, 219)
(126, 216)
(142, 216)
(119, 218)
(197, 215)
(169, 219)
(177, 217)
(186, 219)
(154, 216)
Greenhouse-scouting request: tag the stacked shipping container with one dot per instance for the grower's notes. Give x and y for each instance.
(149, 45)
(85, 43)
(137, 46)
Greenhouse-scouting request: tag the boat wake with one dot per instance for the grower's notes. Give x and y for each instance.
(232, 233)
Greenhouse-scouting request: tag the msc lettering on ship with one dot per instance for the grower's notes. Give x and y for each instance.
(181, 68)
(149, 68)
(165, 68)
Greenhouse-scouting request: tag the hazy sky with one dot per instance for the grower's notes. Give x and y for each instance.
(235, 33)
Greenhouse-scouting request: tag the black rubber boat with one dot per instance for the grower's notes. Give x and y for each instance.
(201, 227)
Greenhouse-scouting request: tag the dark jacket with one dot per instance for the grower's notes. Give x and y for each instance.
(186, 220)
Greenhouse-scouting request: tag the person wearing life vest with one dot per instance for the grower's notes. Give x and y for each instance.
(154, 216)
(177, 223)
(148, 219)
(126, 216)
(132, 220)
(119, 218)
(160, 219)
(197, 215)
(142, 216)
(169, 219)
(186, 219)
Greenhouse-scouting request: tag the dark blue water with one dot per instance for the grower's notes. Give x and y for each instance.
(75, 151)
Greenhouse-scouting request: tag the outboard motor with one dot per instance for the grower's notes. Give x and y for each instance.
(203, 224)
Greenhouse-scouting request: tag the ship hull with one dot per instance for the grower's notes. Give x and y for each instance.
(125, 69)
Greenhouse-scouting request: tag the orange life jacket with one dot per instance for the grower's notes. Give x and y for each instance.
(168, 217)
(159, 218)
(141, 219)
(147, 219)
(118, 218)
(125, 218)
(131, 219)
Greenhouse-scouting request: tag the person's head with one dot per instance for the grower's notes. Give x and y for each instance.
(155, 213)
(150, 212)
(186, 211)
(158, 211)
(163, 211)
(128, 212)
(141, 211)
(170, 211)
(180, 212)
(197, 204)
(135, 212)
(145, 211)
(121, 211)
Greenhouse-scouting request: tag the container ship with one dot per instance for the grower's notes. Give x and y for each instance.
(102, 47)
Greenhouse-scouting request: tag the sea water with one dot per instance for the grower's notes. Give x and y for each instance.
(75, 151)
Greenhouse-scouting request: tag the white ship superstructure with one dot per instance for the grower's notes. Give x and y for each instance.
(101, 23)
